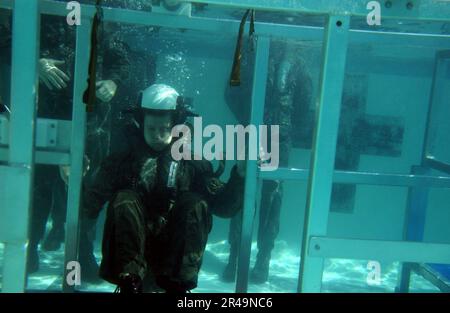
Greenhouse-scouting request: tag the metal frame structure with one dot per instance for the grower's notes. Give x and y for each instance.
(335, 35)
(416, 209)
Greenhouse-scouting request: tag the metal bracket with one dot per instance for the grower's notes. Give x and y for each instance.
(46, 132)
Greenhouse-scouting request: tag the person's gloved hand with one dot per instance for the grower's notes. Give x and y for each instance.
(263, 158)
(106, 90)
(64, 170)
(51, 75)
(214, 185)
(157, 224)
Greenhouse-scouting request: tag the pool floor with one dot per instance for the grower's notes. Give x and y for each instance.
(339, 275)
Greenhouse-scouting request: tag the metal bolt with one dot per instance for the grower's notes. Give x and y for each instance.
(52, 125)
(409, 5)
(388, 4)
(52, 141)
(317, 247)
(339, 23)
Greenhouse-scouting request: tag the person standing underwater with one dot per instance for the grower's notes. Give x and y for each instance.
(160, 210)
(288, 99)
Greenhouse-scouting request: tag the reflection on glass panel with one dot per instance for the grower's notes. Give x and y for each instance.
(292, 79)
(275, 258)
(383, 118)
(384, 107)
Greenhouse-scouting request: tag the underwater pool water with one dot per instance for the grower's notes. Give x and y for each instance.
(392, 76)
(339, 275)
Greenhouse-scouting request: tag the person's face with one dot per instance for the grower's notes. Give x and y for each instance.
(158, 131)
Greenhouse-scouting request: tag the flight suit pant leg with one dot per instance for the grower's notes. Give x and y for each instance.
(124, 238)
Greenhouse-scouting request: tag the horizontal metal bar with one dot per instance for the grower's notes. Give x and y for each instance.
(285, 174)
(437, 10)
(362, 178)
(230, 27)
(379, 250)
(425, 9)
(222, 26)
(408, 180)
(437, 165)
(41, 157)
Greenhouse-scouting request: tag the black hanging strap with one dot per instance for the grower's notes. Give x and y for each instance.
(235, 79)
(89, 93)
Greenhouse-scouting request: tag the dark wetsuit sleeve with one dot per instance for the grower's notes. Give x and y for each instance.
(116, 62)
(229, 200)
(5, 37)
(103, 187)
(224, 199)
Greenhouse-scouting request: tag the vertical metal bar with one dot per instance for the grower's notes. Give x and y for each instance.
(417, 204)
(414, 227)
(437, 96)
(77, 146)
(24, 79)
(324, 148)
(404, 278)
(257, 115)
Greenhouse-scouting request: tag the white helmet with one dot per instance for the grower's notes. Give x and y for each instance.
(159, 97)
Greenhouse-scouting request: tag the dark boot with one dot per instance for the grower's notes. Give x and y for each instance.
(129, 283)
(260, 272)
(229, 273)
(90, 272)
(170, 285)
(32, 260)
(89, 266)
(88, 263)
(54, 239)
